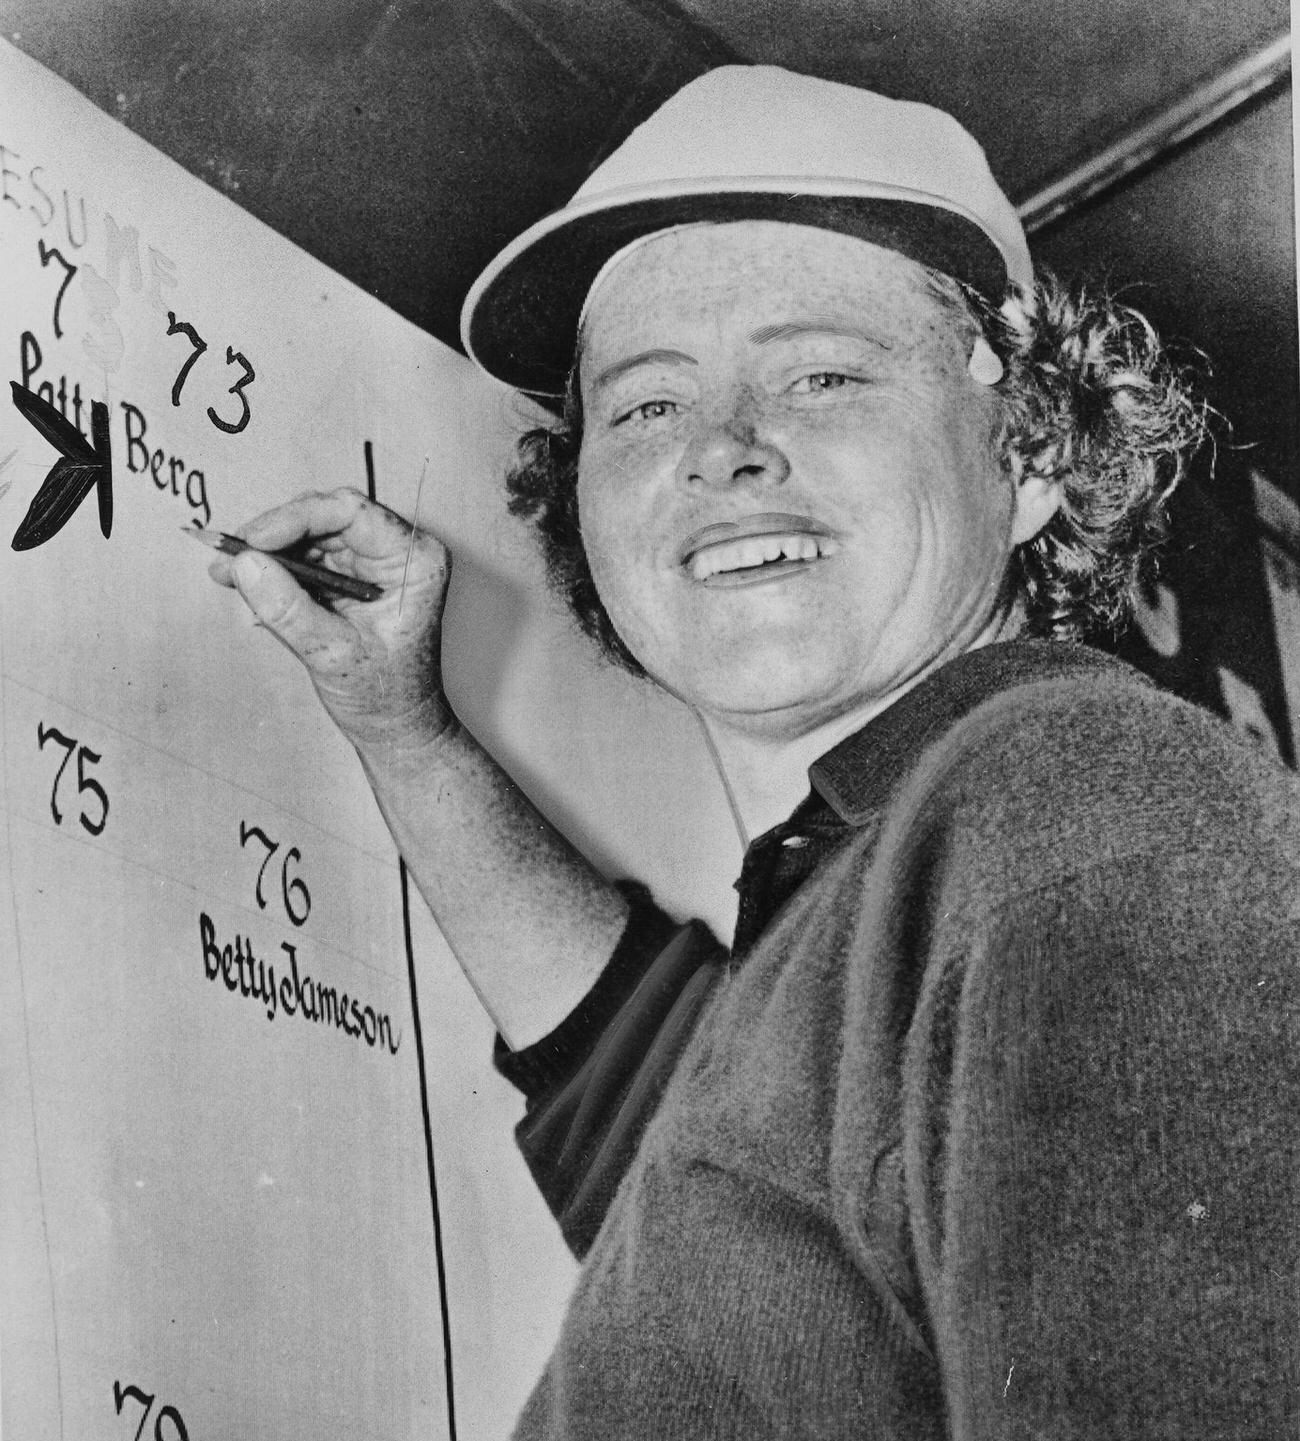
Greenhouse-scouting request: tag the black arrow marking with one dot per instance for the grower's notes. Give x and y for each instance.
(81, 465)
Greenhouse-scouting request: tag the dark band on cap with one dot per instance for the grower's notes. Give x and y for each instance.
(524, 326)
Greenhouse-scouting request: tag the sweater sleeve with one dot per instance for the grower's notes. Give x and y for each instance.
(592, 1085)
(1102, 1091)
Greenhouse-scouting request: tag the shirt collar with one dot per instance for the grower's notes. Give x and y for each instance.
(856, 777)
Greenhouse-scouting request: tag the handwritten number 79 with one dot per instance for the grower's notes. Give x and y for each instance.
(166, 1413)
(233, 357)
(85, 784)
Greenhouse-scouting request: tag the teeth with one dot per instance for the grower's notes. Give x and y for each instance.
(755, 550)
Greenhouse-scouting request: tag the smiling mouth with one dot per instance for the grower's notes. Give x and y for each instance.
(757, 548)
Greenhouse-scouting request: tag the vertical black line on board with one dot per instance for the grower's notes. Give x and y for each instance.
(439, 1258)
(428, 1150)
(370, 470)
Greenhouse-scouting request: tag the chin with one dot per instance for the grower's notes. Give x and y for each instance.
(757, 691)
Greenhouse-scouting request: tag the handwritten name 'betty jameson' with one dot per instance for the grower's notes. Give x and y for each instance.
(298, 994)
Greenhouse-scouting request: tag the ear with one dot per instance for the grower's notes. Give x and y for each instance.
(1037, 501)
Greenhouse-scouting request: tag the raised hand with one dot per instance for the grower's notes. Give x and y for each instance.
(375, 664)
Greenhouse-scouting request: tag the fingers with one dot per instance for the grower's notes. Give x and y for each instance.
(374, 664)
(374, 532)
(334, 521)
(315, 516)
(358, 535)
(309, 516)
(316, 635)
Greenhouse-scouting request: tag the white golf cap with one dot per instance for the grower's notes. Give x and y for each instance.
(749, 143)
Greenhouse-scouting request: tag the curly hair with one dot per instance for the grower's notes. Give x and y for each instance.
(1089, 397)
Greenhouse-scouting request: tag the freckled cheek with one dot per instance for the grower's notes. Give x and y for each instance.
(622, 495)
(967, 552)
(603, 545)
(617, 547)
(602, 483)
(962, 480)
(624, 468)
(928, 529)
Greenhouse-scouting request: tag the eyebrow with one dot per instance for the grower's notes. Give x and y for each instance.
(764, 335)
(793, 329)
(644, 357)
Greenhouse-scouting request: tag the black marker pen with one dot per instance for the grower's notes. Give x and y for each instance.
(314, 577)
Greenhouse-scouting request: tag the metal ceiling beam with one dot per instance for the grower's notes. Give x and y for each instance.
(1161, 133)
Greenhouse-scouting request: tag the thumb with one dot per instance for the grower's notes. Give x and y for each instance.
(282, 606)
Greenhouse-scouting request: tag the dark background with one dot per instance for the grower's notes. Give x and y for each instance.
(404, 141)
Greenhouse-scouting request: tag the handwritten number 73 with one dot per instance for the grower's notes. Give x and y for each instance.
(233, 357)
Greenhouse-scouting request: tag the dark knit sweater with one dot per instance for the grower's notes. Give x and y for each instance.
(986, 1128)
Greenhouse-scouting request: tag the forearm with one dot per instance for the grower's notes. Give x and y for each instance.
(530, 920)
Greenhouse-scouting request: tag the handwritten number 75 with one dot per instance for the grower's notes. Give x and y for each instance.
(233, 357)
(122, 1394)
(86, 785)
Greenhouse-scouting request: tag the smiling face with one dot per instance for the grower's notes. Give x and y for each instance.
(788, 493)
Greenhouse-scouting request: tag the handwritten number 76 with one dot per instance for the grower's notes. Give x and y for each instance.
(85, 784)
(233, 357)
(293, 891)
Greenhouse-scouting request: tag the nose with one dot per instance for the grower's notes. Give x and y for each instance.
(730, 446)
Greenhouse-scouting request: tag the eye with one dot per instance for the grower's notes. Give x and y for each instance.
(648, 410)
(821, 381)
